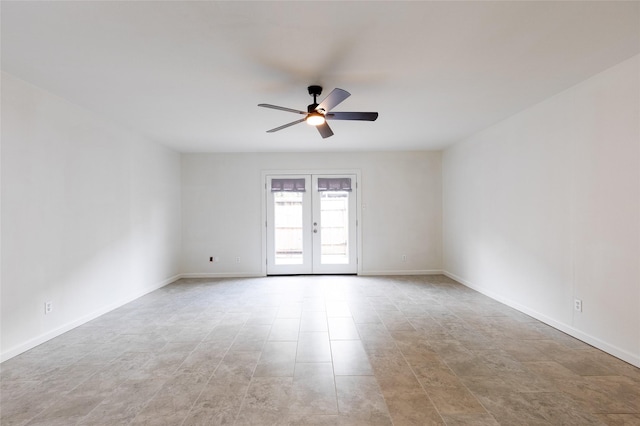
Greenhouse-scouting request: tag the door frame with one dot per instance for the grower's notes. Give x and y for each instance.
(263, 207)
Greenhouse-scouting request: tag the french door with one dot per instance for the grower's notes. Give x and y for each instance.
(311, 224)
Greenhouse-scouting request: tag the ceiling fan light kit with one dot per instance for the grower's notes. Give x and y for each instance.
(318, 113)
(315, 119)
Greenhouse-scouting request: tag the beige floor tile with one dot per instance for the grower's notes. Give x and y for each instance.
(224, 333)
(297, 419)
(350, 358)
(219, 402)
(313, 321)
(619, 419)
(506, 383)
(539, 408)
(237, 366)
(584, 363)
(337, 308)
(123, 405)
(412, 408)
(250, 338)
(394, 320)
(619, 388)
(285, 329)
(317, 350)
(313, 304)
(263, 317)
(454, 400)
(381, 348)
(278, 360)
(266, 401)
(364, 315)
(173, 401)
(596, 396)
(67, 410)
(343, 328)
(382, 304)
(469, 420)
(313, 391)
(293, 310)
(373, 332)
(200, 362)
(360, 398)
(313, 347)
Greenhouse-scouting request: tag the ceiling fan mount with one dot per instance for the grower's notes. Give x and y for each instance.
(315, 91)
(318, 113)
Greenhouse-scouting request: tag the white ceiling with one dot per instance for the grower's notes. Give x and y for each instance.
(190, 74)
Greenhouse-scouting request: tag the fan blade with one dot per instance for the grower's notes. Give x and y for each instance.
(325, 130)
(284, 126)
(297, 111)
(362, 116)
(333, 99)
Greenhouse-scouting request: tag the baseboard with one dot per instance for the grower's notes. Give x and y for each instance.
(38, 340)
(221, 275)
(402, 272)
(622, 354)
(361, 273)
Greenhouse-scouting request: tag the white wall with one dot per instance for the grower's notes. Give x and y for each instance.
(222, 209)
(544, 207)
(90, 216)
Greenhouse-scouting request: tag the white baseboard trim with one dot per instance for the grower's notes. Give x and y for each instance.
(221, 275)
(38, 340)
(401, 272)
(361, 273)
(624, 355)
(258, 275)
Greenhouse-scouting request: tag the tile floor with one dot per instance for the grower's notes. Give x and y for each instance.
(324, 350)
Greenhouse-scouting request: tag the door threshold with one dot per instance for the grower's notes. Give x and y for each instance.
(312, 275)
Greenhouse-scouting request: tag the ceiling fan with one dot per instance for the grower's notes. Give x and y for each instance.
(318, 113)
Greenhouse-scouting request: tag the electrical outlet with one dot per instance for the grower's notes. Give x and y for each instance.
(238, 259)
(48, 307)
(577, 305)
(404, 257)
(211, 259)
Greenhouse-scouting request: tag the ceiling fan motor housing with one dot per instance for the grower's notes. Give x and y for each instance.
(315, 90)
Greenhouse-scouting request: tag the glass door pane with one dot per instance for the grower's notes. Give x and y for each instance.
(334, 230)
(288, 236)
